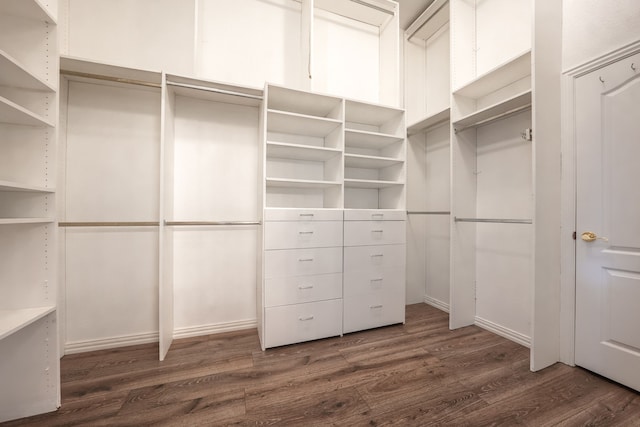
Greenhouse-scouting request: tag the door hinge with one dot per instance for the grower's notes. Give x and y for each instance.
(575, 235)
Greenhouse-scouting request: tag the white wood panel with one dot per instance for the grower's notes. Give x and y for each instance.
(373, 310)
(111, 283)
(113, 151)
(302, 322)
(215, 158)
(374, 215)
(381, 282)
(249, 42)
(214, 275)
(120, 31)
(303, 214)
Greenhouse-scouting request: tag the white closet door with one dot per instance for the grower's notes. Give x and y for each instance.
(112, 160)
(215, 179)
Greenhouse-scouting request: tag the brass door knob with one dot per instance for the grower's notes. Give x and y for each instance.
(590, 236)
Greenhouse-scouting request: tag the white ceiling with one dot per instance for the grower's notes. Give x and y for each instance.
(410, 10)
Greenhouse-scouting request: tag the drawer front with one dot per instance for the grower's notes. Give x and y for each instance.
(360, 233)
(302, 322)
(298, 234)
(374, 259)
(302, 289)
(302, 262)
(372, 311)
(363, 283)
(374, 215)
(306, 215)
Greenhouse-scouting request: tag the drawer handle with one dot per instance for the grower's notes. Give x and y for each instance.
(305, 286)
(305, 318)
(377, 255)
(306, 214)
(377, 215)
(305, 232)
(376, 280)
(377, 231)
(375, 306)
(305, 259)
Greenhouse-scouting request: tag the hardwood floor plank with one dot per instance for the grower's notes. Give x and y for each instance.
(416, 374)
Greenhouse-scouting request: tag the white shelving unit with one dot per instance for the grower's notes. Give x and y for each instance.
(428, 100)
(28, 294)
(343, 168)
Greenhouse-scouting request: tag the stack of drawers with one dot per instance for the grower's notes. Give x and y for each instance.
(374, 268)
(302, 275)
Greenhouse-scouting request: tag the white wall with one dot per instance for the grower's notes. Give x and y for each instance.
(594, 27)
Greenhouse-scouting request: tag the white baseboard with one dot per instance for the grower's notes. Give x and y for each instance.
(436, 303)
(503, 332)
(107, 343)
(195, 331)
(153, 337)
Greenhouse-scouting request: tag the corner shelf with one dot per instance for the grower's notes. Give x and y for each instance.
(13, 113)
(509, 72)
(431, 121)
(11, 321)
(13, 73)
(513, 105)
(30, 9)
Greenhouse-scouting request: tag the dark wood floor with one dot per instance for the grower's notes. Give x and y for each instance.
(416, 374)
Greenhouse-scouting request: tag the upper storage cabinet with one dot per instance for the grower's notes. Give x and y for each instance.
(427, 77)
(491, 58)
(354, 49)
(340, 47)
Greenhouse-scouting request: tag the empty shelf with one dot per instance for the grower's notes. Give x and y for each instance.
(430, 122)
(369, 162)
(367, 183)
(300, 183)
(14, 74)
(365, 139)
(298, 124)
(300, 152)
(11, 321)
(12, 113)
(494, 112)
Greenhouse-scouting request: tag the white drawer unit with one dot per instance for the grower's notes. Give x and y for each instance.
(302, 234)
(373, 310)
(302, 322)
(305, 215)
(362, 282)
(302, 289)
(302, 262)
(374, 215)
(373, 258)
(361, 233)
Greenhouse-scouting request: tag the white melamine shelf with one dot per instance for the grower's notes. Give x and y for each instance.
(300, 183)
(13, 113)
(365, 139)
(430, 122)
(504, 108)
(11, 321)
(215, 91)
(30, 9)
(14, 74)
(369, 183)
(369, 162)
(370, 114)
(14, 186)
(15, 221)
(79, 67)
(300, 124)
(300, 152)
(501, 76)
(430, 21)
(295, 101)
(371, 12)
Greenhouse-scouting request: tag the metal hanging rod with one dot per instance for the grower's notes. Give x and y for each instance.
(110, 78)
(428, 213)
(190, 223)
(495, 220)
(492, 118)
(109, 224)
(211, 89)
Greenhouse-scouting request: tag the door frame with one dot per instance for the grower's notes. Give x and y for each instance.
(569, 192)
